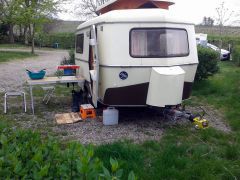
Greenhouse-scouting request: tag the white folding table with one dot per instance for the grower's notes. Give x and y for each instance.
(52, 80)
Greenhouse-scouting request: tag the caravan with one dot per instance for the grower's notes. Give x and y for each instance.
(137, 57)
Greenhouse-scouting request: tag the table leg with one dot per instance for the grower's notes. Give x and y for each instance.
(32, 100)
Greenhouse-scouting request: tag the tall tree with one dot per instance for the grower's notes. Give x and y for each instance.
(207, 21)
(87, 8)
(33, 13)
(8, 15)
(224, 16)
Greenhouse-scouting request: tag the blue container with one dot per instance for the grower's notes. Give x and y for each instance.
(36, 75)
(68, 72)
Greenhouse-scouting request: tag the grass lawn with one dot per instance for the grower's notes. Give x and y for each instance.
(22, 46)
(223, 91)
(183, 152)
(13, 46)
(13, 55)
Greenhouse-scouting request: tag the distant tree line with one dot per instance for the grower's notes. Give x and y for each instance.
(207, 21)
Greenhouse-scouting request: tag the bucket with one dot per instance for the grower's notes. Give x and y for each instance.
(110, 116)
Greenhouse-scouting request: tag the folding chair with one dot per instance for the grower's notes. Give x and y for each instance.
(49, 91)
(15, 93)
(13, 86)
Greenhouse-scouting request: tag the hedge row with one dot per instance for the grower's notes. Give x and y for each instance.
(208, 63)
(226, 40)
(64, 40)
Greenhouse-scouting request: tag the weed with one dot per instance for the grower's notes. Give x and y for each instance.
(25, 155)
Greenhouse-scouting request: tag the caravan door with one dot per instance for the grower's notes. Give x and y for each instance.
(94, 71)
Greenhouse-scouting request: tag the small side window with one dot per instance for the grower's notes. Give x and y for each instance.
(80, 43)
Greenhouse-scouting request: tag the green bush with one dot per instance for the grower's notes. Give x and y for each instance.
(70, 60)
(25, 155)
(65, 40)
(236, 55)
(207, 66)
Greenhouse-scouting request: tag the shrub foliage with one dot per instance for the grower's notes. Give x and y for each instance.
(25, 155)
(226, 40)
(70, 60)
(65, 40)
(208, 63)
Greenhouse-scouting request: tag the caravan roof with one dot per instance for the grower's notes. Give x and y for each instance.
(135, 15)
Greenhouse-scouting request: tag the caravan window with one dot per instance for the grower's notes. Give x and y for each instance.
(79, 43)
(158, 42)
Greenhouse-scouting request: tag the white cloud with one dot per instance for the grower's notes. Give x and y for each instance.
(195, 10)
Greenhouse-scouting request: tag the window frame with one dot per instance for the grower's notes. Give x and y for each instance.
(82, 34)
(153, 56)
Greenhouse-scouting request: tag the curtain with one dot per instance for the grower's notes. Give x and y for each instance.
(139, 43)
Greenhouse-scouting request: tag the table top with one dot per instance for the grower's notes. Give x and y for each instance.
(55, 80)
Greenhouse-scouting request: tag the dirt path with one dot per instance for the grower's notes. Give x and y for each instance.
(13, 73)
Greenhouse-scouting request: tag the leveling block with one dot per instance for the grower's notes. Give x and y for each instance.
(67, 118)
(87, 111)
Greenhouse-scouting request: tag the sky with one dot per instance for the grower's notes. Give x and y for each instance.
(193, 10)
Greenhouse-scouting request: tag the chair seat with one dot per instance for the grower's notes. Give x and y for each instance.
(14, 93)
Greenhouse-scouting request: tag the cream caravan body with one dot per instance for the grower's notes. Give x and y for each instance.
(137, 57)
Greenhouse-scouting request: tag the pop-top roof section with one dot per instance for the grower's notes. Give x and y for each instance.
(135, 16)
(104, 3)
(105, 6)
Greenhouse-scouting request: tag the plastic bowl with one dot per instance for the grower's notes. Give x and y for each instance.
(36, 75)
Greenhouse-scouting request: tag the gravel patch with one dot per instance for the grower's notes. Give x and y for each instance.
(137, 125)
(134, 126)
(137, 129)
(13, 73)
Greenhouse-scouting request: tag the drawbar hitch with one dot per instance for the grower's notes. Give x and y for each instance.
(177, 113)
